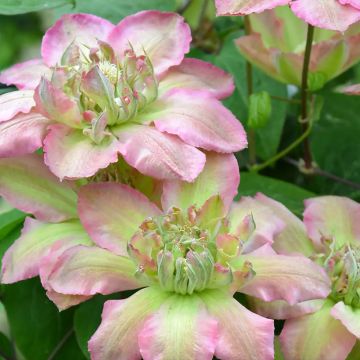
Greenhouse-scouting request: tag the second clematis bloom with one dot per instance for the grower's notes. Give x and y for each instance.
(102, 91)
(188, 257)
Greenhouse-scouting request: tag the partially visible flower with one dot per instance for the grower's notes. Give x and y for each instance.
(107, 90)
(330, 235)
(189, 257)
(351, 89)
(328, 14)
(277, 45)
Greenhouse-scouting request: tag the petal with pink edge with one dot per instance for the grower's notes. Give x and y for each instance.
(164, 37)
(27, 184)
(220, 177)
(354, 3)
(279, 277)
(25, 75)
(316, 336)
(22, 135)
(327, 14)
(15, 102)
(181, 329)
(111, 213)
(84, 270)
(83, 29)
(71, 154)
(122, 321)
(246, 7)
(64, 302)
(198, 119)
(25, 257)
(159, 155)
(332, 217)
(242, 334)
(195, 74)
(351, 89)
(349, 316)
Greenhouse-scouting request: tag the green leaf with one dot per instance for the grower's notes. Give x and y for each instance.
(288, 194)
(69, 350)
(259, 109)
(14, 7)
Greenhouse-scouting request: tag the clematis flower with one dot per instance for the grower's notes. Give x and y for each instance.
(277, 46)
(103, 90)
(327, 14)
(188, 257)
(351, 89)
(330, 235)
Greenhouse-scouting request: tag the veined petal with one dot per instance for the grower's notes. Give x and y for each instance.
(122, 320)
(15, 102)
(246, 7)
(242, 334)
(111, 213)
(279, 277)
(164, 37)
(83, 29)
(349, 316)
(219, 177)
(64, 302)
(25, 75)
(327, 14)
(316, 336)
(332, 217)
(354, 3)
(181, 329)
(70, 154)
(161, 156)
(22, 135)
(25, 257)
(195, 74)
(27, 184)
(84, 270)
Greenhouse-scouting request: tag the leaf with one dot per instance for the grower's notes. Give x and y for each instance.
(14, 7)
(288, 194)
(69, 350)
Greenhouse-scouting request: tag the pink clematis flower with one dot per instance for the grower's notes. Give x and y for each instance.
(327, 14)
(351, 89)
(189, 256)
(330, 235)
(101, 90)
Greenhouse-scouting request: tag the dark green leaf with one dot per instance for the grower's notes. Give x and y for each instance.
(69, 350)
(13, 7)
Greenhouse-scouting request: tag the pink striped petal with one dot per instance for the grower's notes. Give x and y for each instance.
(246, 7)
(26, 75)
(195, 74)
(111, 213)
(22, 135)
(354, 3)
(15, 102)
(164, 37)
(219, 177)
(83, 29)
(349, 316)
(70, 154)
(351, 89)
(64, 302)
(327, 14)
(158, 155)
(199, 120)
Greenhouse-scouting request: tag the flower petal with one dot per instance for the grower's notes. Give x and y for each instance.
(159, 155)
(349, 316)
(25, 257)
(279, 277)
(246, 7)
(198, 119)
(22, 135)
(70, 154)
(111, 213)
(354, 3)
(84, 29)
(219, 177)
(351, 89)
(195, 74)
(180, 329)
(15, 102)
(164, 37)
(64, 302)
(25, 75)
(242, 334)
(117, 336)
(27, 184)
(332, 217)
(316, 336)
(327, 14)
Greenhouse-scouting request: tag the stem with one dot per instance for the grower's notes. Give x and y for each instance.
(305, 94)
(60, 344)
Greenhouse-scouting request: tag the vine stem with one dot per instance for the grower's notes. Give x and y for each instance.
(304, 96)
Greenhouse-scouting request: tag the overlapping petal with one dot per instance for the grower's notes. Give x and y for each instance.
(15, 102)
(349, 316)
(246, 7)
